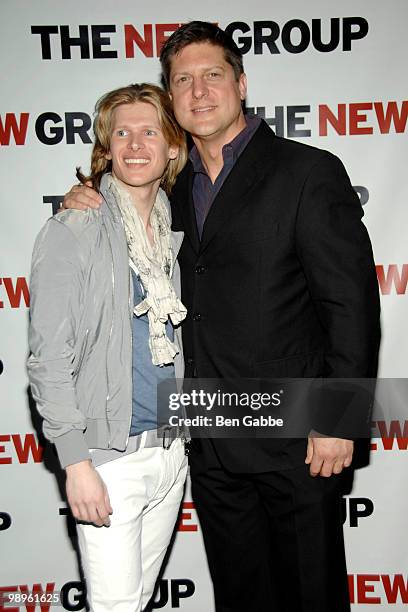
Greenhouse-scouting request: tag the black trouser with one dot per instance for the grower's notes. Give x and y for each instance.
(274, 541)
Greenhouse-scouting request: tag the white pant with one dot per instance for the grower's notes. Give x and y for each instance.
(121, 562)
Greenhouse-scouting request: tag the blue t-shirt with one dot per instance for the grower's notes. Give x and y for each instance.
(145, 375)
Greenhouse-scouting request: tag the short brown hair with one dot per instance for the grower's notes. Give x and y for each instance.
(200, 32)
(141, 92)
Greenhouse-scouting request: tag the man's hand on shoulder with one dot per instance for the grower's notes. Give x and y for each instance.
(327, 456)
(87, 494)
(82, 197)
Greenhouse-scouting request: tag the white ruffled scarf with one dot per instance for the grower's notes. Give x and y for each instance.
(154, 265)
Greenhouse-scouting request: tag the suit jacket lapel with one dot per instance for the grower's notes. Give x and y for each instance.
(246, 173)
(185, 205)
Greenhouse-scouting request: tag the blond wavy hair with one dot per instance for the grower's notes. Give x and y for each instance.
(172, 132)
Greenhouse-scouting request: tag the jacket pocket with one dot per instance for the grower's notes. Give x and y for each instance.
(257, 235)
(302, 365)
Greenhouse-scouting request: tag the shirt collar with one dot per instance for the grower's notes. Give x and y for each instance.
(232, 150)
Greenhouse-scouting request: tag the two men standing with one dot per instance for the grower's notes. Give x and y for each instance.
(279, 281)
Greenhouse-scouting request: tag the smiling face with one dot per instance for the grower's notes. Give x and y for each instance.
(138, 149)
(206, 95)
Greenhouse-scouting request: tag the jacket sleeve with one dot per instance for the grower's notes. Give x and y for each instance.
(336, 256)
(56, 297)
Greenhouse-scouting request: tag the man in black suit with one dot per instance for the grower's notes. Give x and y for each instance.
(279, 281)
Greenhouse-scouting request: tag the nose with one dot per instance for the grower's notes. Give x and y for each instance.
(200, 88)
(136, 145)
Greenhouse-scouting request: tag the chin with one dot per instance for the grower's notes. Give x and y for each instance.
(203, 131)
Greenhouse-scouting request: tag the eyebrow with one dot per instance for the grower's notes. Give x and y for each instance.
(146, 126)
(206, 69)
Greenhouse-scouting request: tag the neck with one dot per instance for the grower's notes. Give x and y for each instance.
(143, 199)
(210, 147)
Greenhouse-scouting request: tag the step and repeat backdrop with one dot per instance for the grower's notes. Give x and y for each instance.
(329, 74)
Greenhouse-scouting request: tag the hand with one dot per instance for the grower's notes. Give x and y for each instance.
(82, 197)
(327, 456)
(87, 494)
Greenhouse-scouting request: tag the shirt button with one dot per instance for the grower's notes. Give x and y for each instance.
(200, 269)
(196, 316)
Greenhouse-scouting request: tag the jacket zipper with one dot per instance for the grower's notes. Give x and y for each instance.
(131, 356)
(131, 335)
(109, 338)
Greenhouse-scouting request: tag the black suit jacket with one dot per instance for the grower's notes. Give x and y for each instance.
(282, 283)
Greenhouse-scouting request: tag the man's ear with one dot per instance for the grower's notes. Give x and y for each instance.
(173, 152)
(242, 85)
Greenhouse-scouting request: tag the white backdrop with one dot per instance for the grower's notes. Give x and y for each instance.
(49, 88)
